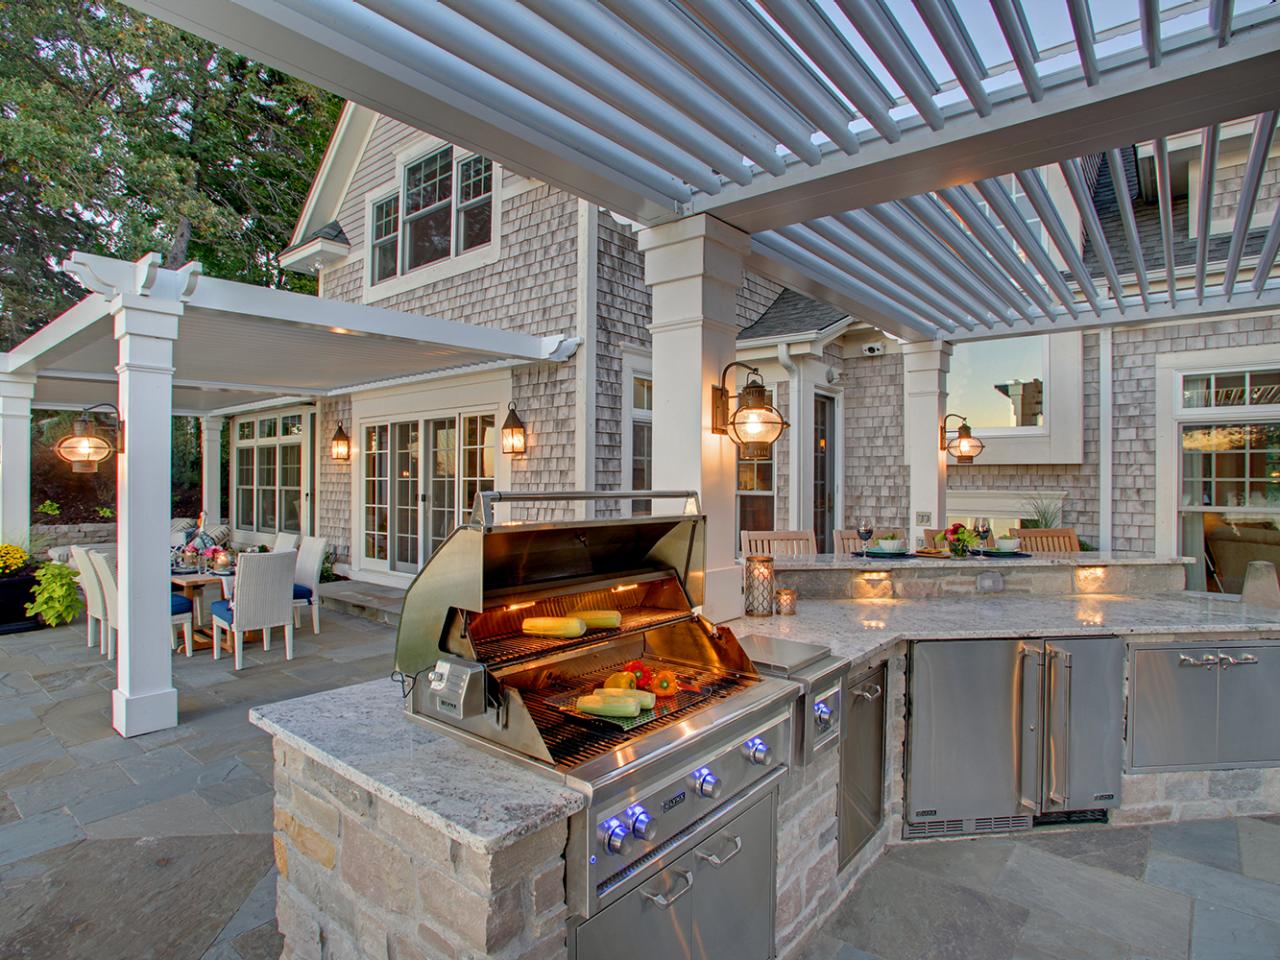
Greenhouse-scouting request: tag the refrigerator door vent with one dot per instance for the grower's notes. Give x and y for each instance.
(1000, 824)
(934, 828)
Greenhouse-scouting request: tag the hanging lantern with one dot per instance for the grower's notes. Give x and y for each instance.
(964, 446)
(83, 448)
(756, 424)
(340, 445)
(514, 438)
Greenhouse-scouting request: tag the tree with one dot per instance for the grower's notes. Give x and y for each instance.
(120, 134)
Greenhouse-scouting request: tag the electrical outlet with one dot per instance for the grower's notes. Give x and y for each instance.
(924, 518)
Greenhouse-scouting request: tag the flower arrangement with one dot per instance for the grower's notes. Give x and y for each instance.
(959, 539)
(13, 560)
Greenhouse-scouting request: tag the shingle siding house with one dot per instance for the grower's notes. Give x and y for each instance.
(400, 219)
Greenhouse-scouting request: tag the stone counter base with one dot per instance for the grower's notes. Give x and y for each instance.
(361, 879)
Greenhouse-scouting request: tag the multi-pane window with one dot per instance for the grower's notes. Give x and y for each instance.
(755, 493)
(641, 442)
(444, 208)
(244, 486)
(267, 489)
(386, 238)
(477, 458)
(377, 493)
(269, 460)
(1239, 389)
(442, 481)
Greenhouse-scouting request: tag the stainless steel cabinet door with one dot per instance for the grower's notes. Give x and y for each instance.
(733, 897)
(1175, 707)
(965, 737)
(862, 763)
(1249, 705)
(653, 920)
(1084, 699)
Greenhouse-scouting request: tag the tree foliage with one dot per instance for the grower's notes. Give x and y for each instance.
(120, 134)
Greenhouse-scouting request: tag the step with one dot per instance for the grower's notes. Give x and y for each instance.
(372, 601)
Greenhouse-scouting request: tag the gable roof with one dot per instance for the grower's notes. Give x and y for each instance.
(333, 178)
(792, 313)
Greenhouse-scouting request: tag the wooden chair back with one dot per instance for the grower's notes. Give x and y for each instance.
(779, 543)
(1047, 539)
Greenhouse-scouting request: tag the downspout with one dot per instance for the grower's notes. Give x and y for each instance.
(1105, 437)
(795, 397)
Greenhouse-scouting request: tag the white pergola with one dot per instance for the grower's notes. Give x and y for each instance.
(160, 343)
(840, 146)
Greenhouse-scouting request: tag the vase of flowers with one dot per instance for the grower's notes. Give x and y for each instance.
(959, 539)
(17, 580)
(217, 558)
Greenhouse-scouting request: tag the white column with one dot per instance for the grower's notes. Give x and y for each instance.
(144, 699)
(925, 367)
(16, 392)
(694, 269)
(211, 468)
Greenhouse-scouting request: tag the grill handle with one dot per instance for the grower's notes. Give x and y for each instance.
(662, 901)
(482, 506)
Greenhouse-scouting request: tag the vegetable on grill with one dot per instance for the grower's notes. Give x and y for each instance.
(596, 619)
(567, 627)
(641, 672)
(665, 683)
(645, 698)
(608, 706)
(620, 681)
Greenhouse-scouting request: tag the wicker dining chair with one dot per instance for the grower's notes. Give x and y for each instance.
(95, 605)
(306, 579)
(779, 543)
(1047, 539)
(179, 608)
(262, 600)
(283, 542)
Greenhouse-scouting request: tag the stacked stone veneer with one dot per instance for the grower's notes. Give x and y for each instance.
(49, 535)
(361, 879)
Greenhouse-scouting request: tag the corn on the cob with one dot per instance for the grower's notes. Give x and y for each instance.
(645, 698)
(609, 706)
(596, 619)
(568, 627)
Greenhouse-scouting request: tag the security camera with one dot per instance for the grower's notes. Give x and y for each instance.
(872, 349)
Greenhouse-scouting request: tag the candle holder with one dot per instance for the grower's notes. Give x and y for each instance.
(786, 597)
(759, 587)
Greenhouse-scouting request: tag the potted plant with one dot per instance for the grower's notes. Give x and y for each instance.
(56, 594)
(959, 539)
(17, 578)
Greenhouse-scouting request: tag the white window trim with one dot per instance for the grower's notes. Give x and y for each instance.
(484, 392)
(1060, 439)
(246, 536)
(1171, 415)
(634, 364)
(441, 269)
(836, 453)
(999, 503)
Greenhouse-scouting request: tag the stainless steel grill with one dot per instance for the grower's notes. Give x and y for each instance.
(657, 786)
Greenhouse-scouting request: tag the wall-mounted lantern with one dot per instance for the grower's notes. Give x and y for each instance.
(964, 446)
(514, 438)
(340, 445)
(755, 425)
(83, 448)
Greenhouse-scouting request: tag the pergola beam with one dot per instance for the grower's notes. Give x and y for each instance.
(1164, 189)
(1120, 187)
(1264, 131)
(1204, 212)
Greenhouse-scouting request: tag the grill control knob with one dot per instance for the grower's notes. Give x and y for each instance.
(757, 751)
(707, 784)
(822, 716)
(616, 838)
(643, 827)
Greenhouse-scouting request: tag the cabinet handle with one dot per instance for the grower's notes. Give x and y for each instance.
(868, 694)
(716, 861)
(662, 901)
(1243, 661)
(1208, 660)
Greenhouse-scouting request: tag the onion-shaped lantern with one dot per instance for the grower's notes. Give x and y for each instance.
(83, 448)
(964, 446)
(755, 425)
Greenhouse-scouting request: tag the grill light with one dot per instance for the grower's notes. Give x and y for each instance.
(965, 446)
(511, 607)
(83, 448)
(340, 445)
(514, 437)
(756, 424)
(623, 588)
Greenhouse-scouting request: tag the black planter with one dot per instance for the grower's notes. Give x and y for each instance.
(15, 594)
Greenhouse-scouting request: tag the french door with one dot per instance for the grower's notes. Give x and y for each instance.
(824, 473)
(420, 477)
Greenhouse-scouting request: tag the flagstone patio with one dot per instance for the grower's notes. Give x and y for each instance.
(160, 845)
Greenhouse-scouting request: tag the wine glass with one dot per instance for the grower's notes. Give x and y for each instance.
(865, 529)
(982, 527)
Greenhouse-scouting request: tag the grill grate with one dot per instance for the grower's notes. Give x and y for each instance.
(504, 648)
(574, 739)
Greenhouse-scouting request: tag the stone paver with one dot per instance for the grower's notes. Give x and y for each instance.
(159, 845)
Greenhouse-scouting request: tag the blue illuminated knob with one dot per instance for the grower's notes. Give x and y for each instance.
(756, 750)
(642, 826)
(822, 716)
(707, 784)
(616, 838)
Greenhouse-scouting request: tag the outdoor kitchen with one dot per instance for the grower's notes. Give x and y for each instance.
(505, 798)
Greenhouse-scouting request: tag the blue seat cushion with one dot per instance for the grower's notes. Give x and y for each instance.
(301, 591)
(222, 610)
(178, 604)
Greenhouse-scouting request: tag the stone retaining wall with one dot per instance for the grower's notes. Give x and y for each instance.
(48, 535)
(360, 879)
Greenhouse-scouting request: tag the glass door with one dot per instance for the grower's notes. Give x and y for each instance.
(377, 492)
(405, 488)
(824, 474)
(442, 480)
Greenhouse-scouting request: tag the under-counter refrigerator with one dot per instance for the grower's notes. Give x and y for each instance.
(1003, 731)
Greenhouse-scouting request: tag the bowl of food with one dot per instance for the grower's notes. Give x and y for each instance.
(891, 545)
(1008, 544)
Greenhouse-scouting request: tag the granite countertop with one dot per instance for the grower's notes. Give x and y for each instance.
(363, 733)
(861, 629)
(1091, 558)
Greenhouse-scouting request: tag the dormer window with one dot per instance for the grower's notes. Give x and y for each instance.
(444, 208)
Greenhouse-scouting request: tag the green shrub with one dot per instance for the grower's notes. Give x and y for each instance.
(49, 509)
(106, 513)
(57, 600)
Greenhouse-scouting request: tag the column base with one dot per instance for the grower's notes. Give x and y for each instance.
(723, 597)
(145, 712)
